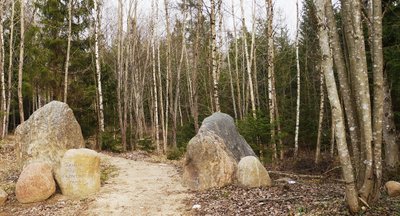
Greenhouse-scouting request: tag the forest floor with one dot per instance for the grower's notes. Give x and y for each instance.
(137, 183)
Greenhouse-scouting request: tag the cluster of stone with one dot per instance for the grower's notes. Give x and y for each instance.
(50, 151)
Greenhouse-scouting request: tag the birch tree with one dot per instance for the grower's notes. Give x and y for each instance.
(98, 68)
(69, 48)
(21, 61)
(271, 75)
(2, 57)
(10, 70)
(249, 59)
(337, 112)
(321, 118)
(296, 136)
(214, 61)
(120, 74)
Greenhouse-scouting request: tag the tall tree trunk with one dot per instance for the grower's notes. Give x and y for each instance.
(69, 48)
(352, 12)
(345, 90)
(3, 83)
(321, 117)
(21, 62)
(168, 84)
(10, 69)
(240, 107)
(337, 113)
(155, 90)
(120, 75)
(378, 99)
(270, 65)
(392, 151)
(98, 69)
(179, 72)
(160, 89)
(296, 137)
(248, 58)
(214, 61)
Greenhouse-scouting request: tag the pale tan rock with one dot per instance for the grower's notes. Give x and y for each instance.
(3, 197)
(47, 134)
(212, 155)
(79, 173)
(35, 184)
(251, 173)
(393, 188)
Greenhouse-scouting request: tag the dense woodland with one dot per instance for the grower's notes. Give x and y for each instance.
(146, 80)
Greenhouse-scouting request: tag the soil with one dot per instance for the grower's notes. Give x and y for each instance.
(140, 188)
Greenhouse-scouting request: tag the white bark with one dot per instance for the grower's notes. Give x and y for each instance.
(3, 83)
(321, 118)
(69, 47)
(21, 62)
(98, 69)
(10, 69)
(249, 59)
(296, 136)
(271, 85)
(214, 66)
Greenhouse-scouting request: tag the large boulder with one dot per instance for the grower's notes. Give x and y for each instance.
(79, 173)
(3, 197)
(251, 173)
(35, 184)
(393, 188)
(47, 134)
(212, 155)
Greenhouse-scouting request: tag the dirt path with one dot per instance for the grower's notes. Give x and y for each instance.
(141, 188)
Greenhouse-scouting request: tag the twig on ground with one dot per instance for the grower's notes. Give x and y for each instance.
(279, 199)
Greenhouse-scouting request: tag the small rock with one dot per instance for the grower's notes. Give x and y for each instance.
(3, 197)
(35, 184)
(79, 173)
(197, 206)
(251, 173)
(393, 188)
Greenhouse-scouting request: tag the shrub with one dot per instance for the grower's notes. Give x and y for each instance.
(175, 153)
(146, 144)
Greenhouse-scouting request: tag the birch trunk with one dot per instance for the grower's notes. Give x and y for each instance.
(98, 69)
(248, 58)
(69, 48)
(10, 69)
(21, 62)
(337, 113)
(179, 72)
(155, 90)
(120, 75)
(214, 61)
(240, 108)
(160, 89)
(168, 74)
(296, 137)
(3, 83)
(270, 65)
(321, 118)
